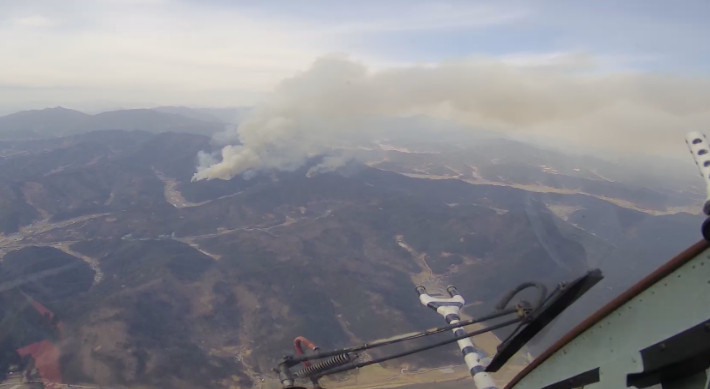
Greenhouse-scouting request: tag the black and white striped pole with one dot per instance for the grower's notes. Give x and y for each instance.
(449, 308)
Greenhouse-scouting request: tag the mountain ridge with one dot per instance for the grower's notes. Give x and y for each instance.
(59, 122)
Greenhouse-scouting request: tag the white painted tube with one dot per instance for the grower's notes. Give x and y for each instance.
(449, 309)
(699, 149)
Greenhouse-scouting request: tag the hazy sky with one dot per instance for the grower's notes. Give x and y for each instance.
(94, 54)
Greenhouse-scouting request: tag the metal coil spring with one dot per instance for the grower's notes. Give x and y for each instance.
(323, 365)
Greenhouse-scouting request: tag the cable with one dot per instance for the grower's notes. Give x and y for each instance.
(298, 344)
(549, 297)
(542, 293)
(558, 289)
(366, 346)
(352, 366)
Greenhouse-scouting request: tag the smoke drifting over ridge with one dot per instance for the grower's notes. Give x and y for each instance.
(330, 104)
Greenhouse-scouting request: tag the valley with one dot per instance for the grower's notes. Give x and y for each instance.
(161, 281)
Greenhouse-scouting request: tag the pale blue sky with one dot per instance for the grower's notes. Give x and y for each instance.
(89, 53)
(651, 34)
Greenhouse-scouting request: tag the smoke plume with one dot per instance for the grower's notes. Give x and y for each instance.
(329, 105)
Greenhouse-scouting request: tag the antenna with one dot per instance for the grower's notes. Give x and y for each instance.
(699, 149)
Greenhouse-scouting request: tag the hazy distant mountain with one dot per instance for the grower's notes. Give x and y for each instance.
(47, 122)
(228, 115)
(190, 113)
(232, 115)
(55, 122)
(152, 121)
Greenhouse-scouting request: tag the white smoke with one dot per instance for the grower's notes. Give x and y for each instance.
(330, 103)
(328, 164)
